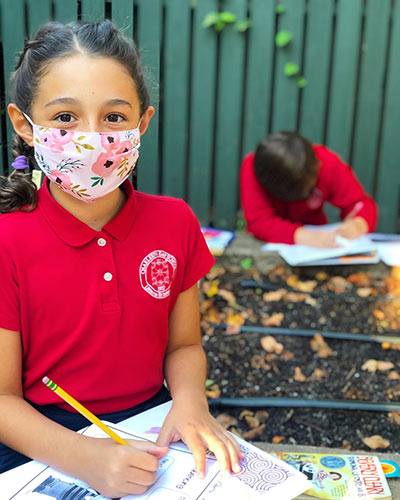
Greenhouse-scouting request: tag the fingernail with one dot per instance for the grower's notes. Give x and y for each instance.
(227, 473)
(201, 475)
(237, 468)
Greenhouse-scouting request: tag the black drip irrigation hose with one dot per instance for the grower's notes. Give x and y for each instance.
(271, 288)
(278, 402)
(310, 333)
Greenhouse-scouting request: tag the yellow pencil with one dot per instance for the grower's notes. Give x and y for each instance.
(82, 410)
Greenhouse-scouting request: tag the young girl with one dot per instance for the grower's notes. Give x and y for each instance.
(98, 282)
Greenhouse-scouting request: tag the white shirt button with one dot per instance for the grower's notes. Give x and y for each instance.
(101, 242)
(108, 276)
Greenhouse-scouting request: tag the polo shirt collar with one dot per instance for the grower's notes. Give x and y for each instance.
(75, 232)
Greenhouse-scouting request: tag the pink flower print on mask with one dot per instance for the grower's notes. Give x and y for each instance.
(107, 162)
(60, 179)
(56, 139)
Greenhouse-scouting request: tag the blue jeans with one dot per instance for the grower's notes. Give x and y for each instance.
(10, 458)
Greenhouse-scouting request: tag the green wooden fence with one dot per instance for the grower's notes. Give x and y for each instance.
(219, 93)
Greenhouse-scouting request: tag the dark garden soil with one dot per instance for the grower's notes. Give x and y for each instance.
(353, 299)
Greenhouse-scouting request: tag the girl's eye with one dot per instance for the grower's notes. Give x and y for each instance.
(65, 118)
(115, 118)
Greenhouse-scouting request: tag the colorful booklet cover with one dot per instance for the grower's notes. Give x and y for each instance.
(340, 477)
(217, 239)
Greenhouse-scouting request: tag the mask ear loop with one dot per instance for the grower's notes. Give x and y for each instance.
(29, 120)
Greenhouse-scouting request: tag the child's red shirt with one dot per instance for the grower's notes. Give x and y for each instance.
(273, 220)
(93, 306)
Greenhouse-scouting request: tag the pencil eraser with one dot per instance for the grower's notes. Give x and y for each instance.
(45, 380)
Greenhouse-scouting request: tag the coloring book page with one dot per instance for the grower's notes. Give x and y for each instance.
(262, 475)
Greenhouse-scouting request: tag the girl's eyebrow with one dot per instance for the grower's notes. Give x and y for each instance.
(70, 100)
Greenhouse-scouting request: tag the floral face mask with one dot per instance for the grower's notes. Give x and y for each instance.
(87, 165)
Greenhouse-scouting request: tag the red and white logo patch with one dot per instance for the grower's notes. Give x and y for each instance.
(157, 272)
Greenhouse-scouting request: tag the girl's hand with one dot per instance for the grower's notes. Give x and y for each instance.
(193, 424)
(116, 470)
(317, 239)
(352, 228)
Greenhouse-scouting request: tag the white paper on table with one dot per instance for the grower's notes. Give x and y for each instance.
(262, 476)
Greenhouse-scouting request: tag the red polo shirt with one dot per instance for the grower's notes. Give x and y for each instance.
(92, 307)
(273, 220)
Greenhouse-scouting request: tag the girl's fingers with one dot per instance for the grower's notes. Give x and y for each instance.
(218, 444)
(196, 446)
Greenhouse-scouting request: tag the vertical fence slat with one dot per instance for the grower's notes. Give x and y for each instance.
(149, 40)
(228, 108)
(13, 34)
(316, 69)
(259, 70)
(92, 10)
(175, 97)
(39, 12)
(344, 75)
(122, 16)
(388, 189)
(202, 112)
(369, 104)
(65, 11)
(286, 92)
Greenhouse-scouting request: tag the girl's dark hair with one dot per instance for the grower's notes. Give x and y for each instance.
(54, 41)
(286, 166)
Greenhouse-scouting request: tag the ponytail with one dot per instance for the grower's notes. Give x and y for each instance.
(17, 191)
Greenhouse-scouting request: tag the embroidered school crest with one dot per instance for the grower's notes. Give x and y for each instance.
(157, 272)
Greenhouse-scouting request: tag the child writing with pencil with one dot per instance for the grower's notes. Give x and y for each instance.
(285, 184)
(98, 282)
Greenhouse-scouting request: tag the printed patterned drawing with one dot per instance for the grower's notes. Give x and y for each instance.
(59, 490)
(260, 472)
(167, 494)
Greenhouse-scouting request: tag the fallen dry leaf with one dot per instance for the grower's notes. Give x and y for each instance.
(235, 319)
(232, 330)
(338, 284)
(258, 362)
(394, 417)
(319, 346)
(262, 415)
(294, 297)
(278, 439)
(273, 320)
(245, 413)
(215, 272)
(346, 445)
(226, 420)
(393, 376)
(269, 344)
(322, 276)
(393, 392)
(227, 295)
(375, 442)
(378, 314)
(292, 280)
(318, 374)
(385, 345)
(213, 391)
(359, 279)
(253, 433)
(274, 296)
(252, 422)
(287, 355)
(372, 365)
(210, 288)
(306, 286)
(298, 375)
(212, 315)
(364, 292)
(236, 432)
(311, 301)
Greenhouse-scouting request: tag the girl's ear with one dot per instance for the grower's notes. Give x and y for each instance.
(146, 117)
(20, 123)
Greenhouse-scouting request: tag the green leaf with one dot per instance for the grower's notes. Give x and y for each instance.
(240, 224)
(291, 69)
(87, 146)
(283, 38)
(227, 17)
(80, 138)
(301, 82)
(210, 19)
(246, 263)
(219, 25)
(280, 8)
(242, 26)
(209, 383)
(78, 148)
(259, 291)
